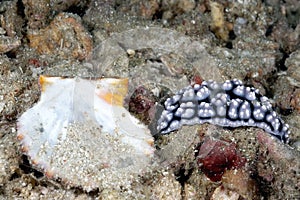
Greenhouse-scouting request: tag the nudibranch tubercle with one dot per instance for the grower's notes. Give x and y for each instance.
(228, 104)
(68, 101)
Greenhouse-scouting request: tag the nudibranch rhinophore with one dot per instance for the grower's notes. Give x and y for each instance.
(228, 104)
(80, 132)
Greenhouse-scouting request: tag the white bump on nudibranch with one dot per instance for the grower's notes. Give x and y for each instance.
(232, 113)
(187, 104)
(206, 112)
(227, 85)
(285, 127)
(188, 95)
(174, 125)
(258, 113)
(276, 124)
(237, 82)
(188, 113)
(203, 93)
(245, 110)
(250, 95)
(221, 110)
(171, 107)
(214, 85)
(168, 116)
(269, 118)
(216, 102)
(239, 90)
(176, 98)
(197, 87)
(264, 99)
(162, 125)
(179, 112)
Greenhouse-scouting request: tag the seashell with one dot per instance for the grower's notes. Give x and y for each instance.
(80, 132)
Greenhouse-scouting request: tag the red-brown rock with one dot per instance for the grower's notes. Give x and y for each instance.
(216, 156)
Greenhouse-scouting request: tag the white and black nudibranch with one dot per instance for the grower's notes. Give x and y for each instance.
(229, 104)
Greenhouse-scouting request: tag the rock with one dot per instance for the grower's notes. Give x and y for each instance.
(240, 182)
(7, 43)
(222, 193)
(8, 158)
(37, 13)
(166, 188)
(216, 156)
(65, 37)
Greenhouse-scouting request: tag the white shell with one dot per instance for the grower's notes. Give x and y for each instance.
(80, 132)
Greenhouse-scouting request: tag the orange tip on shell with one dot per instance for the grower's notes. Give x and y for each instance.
(24, 149)
(20, 137)
(49, 174)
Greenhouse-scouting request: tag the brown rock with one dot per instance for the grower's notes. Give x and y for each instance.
(166, 188)
(222, 193)
(218, 25)
(216, 156)
(10, 22)
(240, 182)
(148, 8)
(37, 13)
(295, 101)
(65, 36)
(8, 43)
(279, 164)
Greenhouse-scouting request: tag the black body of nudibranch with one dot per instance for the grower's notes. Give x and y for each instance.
(228, 104)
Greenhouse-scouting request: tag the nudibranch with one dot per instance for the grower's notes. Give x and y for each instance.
(228, 104)
(80, 132)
